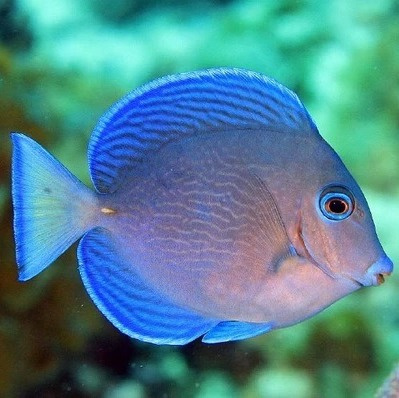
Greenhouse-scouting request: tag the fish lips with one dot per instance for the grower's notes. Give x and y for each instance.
(375, 274)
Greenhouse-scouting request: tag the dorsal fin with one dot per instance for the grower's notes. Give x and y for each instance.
(184, 105)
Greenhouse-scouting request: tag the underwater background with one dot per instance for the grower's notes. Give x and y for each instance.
(64, 62)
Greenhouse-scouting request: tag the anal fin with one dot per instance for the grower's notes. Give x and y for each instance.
(130, 304)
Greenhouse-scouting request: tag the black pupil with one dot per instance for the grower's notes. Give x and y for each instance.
(337, 206)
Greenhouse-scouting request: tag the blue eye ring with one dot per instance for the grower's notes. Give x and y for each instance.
(336, 203)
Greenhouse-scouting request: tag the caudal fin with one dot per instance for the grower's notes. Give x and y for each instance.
(52, 208)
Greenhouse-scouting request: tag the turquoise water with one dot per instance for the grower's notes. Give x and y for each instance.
(63, 62)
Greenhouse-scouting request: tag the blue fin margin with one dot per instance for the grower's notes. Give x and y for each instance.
(132, 306)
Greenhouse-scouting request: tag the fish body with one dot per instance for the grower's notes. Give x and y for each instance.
(219, 210)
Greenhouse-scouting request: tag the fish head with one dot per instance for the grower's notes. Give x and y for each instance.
(337, 233)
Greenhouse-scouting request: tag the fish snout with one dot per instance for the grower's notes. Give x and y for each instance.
(376, 272)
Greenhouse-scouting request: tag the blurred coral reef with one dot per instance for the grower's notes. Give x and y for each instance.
(63, 62)
(390, 388)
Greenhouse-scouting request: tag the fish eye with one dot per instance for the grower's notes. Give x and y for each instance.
(336, 203)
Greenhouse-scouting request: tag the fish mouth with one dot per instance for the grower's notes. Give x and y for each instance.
(380, 278)
(376, 273)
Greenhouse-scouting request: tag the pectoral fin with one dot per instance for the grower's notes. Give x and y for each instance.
(270, 222)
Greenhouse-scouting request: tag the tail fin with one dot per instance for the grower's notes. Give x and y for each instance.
(52, 208)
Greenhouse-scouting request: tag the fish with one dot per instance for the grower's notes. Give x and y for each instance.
(218, 211)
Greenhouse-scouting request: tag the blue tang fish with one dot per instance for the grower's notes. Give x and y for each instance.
(218, 211)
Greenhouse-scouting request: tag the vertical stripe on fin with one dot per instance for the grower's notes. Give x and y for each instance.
(51, 206)
(131, 305)
(184, 105)
(233, 330)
